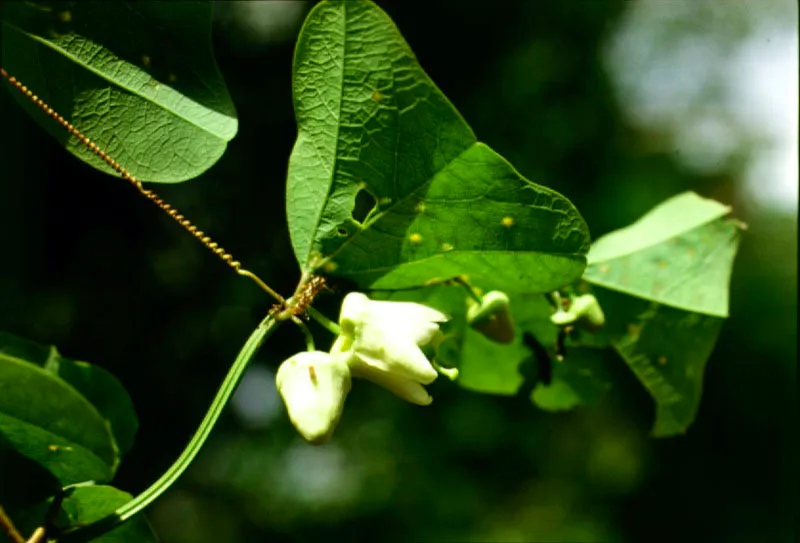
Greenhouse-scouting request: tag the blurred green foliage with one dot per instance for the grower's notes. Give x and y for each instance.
(90, 266)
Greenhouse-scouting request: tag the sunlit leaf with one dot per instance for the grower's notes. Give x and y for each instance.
(138, 78)
(679, 254)
(663, 283)
(436, 202)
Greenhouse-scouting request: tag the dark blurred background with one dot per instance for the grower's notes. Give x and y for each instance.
(617, 105)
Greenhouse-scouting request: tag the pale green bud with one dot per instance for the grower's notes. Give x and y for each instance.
(584, 307)
(587, 307)
(314, 386)
(491, 317)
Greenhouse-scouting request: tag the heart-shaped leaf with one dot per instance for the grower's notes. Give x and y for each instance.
(371, 121)
(44, 417)
(137, 78)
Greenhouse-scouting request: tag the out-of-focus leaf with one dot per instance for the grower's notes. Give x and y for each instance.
(97, 385)
(47, 420)
(137, 78)
(582, 378)
(372, 124)
(88, 503)
(679, 254)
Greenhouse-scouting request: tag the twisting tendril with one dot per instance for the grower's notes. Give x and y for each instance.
(149, 194)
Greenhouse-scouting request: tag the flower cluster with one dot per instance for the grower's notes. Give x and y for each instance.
(380, 342)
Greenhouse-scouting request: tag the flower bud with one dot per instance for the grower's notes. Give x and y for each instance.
(585, 308)
(314, 386)
(491, 317)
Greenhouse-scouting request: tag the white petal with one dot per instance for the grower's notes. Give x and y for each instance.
(355, 311)
(408, 310)
(403, 363)
(368, 318)
(404, 388)
(314, 386)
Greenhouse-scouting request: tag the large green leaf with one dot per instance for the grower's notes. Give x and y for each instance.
(96, 384)
(679, 254)
(138, 78)
(47, 419)
(663, 283)
(370, 119)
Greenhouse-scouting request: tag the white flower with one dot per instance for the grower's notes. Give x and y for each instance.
(313, 386)
(383, 340)
(582, 307)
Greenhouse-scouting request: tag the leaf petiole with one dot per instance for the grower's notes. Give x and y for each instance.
(306, 332)
(331, 326)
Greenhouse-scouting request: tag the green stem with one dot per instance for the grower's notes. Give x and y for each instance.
(324, 321)
(470, 289)
(307, 333)
(137, 504)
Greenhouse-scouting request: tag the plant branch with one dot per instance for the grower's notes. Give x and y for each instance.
(306, 333)
(38, 535)
(9, 528)
(324, 321)
(140, 502)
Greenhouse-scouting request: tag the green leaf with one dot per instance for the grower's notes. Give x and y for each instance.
(679, 254)
(582, 378)
(96, 384)
(665, 288)
(667, 349)
(494, 368)
(47, 420)
(139, 79)
(85, 504)
(370, 120)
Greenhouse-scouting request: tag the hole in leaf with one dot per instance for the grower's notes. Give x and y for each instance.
(342, 231)
(365, 203)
